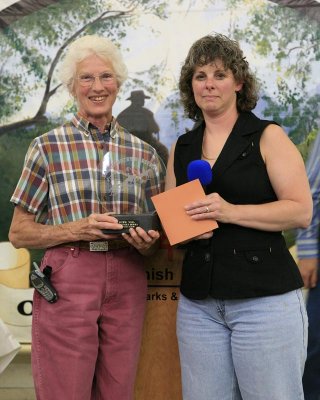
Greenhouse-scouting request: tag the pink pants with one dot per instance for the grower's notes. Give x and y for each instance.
(86, 345)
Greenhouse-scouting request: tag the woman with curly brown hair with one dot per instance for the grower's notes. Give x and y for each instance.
(241, 321)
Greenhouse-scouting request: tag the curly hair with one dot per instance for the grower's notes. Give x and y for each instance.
(86, 46)
(206, 50)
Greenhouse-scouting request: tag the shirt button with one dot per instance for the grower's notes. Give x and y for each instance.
(255, 259)
(207, 257)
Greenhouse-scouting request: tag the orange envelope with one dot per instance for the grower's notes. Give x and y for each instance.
(177, 225)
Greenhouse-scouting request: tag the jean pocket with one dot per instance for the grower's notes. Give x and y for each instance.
(57, 258)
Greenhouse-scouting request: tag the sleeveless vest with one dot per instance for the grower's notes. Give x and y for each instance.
(237, 262)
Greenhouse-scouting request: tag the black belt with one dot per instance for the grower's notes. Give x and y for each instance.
(98, 245)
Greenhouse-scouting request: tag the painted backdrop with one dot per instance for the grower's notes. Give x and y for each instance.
(280, 39)
(281, 42)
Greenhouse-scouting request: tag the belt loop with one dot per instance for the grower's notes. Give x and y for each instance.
(75, 251)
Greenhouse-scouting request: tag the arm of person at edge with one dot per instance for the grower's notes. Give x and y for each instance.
(288, 177)
(307, 240)
(309, 271)
(26, 232)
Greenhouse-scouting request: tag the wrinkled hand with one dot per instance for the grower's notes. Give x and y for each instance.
(90, 228)
(143, 241)
(309, 271)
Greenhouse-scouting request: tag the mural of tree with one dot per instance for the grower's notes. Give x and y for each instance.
(273, 31)
(31, 49)
(31, 46)
(53, 29)
(285, 34)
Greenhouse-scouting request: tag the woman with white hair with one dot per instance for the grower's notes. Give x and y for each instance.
(86, 342)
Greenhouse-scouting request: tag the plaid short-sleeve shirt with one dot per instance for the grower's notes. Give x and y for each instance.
(74, 170)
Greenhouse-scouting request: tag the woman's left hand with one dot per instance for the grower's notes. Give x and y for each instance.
(143, 241)
(212, 207)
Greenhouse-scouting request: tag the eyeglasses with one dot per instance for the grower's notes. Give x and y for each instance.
(87, 80)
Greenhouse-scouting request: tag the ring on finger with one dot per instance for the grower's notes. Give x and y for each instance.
(207, 209)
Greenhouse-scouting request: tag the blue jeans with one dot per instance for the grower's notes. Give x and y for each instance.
(251, 349)
(311, 377)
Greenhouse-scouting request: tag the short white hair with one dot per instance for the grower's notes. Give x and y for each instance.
(86, 46)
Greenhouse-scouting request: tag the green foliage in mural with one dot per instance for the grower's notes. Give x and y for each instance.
(292, 46)
(33, 46)
(31, 50)
(288, 42)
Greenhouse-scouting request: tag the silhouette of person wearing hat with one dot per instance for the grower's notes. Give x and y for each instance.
(140, 121)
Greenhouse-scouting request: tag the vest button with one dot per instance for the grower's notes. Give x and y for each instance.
(255, 259)
(207, 257)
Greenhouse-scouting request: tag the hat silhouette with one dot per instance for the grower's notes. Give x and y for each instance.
(138, 94)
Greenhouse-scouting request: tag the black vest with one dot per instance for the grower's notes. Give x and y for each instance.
(237, 262)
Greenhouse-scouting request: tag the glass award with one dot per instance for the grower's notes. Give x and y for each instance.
(126, 184)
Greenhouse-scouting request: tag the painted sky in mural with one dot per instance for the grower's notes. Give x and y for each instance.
(165, 43)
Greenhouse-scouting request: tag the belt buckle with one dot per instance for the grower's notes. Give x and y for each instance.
(98, 246)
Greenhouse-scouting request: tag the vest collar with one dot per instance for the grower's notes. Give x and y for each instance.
(237, 144)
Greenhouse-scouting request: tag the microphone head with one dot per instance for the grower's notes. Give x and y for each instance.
(200, 169)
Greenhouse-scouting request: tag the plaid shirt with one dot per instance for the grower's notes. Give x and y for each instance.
(74, 170)
(308, 240)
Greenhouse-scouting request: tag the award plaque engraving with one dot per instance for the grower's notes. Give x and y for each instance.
(147, 221)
